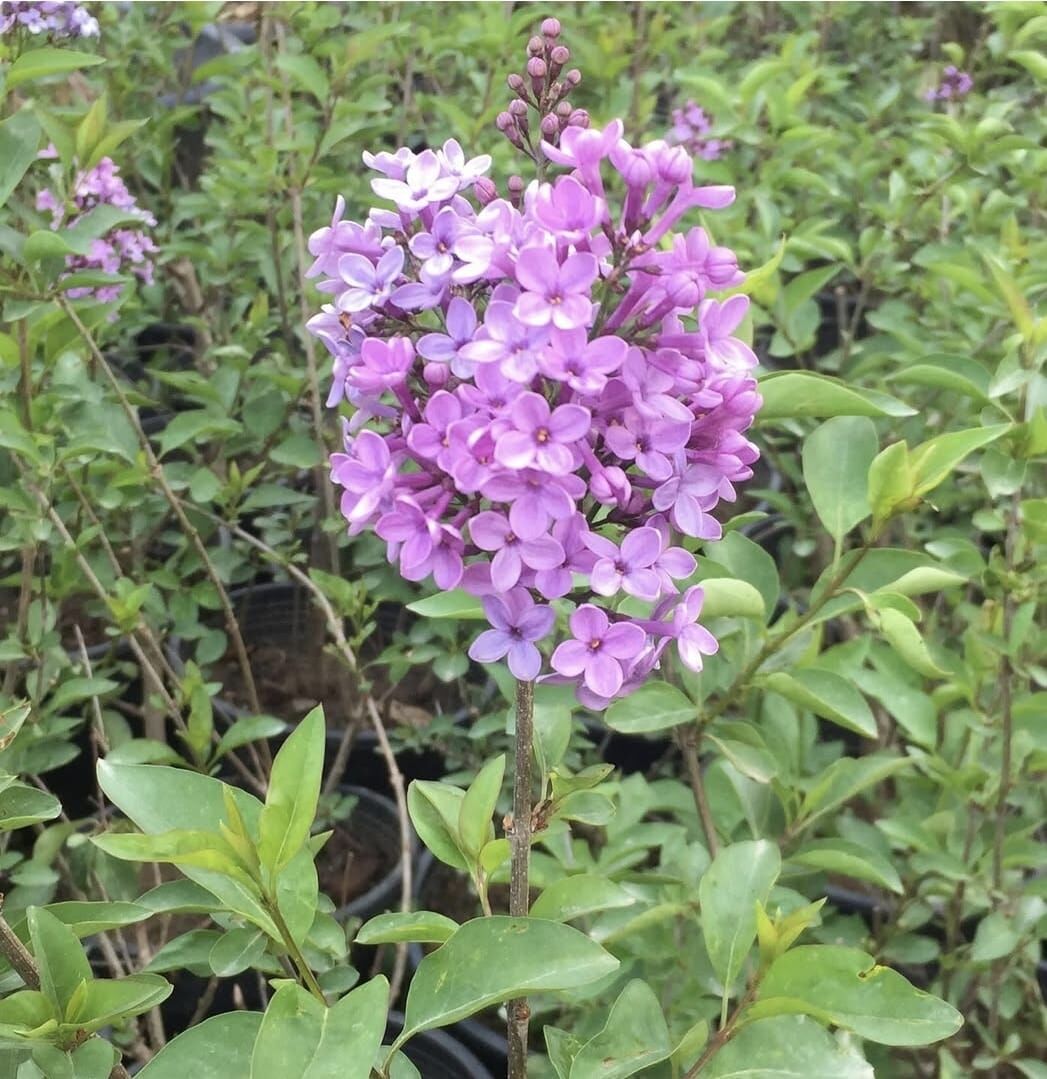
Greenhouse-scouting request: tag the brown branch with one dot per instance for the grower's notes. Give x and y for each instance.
(689, 742)
(519, 1012)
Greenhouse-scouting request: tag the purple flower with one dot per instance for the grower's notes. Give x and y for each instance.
(692, 640)
(367, 472)
(383, 364)
(327, 245)
(454, 164)
(492, 532)
(446, 347)
(648, 442)
(369, 285)
(452, 238)
(535, 498)
(717, 322)
(56, 19)
(569, 209)
(598, 650)
(569, 532)
(517, 623)
(584, 365)
(626, 568)
(424, 546)
(541, 437)
(432, 439)
(422, 185)
(555, 293)
(507, 342)
(689, 497)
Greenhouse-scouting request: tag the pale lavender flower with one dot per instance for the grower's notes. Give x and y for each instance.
(599, 650)
(516, 624)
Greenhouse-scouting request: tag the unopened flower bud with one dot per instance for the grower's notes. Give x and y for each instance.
(537, 68)
(436, 375)
(579, 118)
(550, 125)
(504, 121)
(721, 264)
(573, 77)
(559, 55)
(674, 165)
(515, 185)
(535, 47)
(551, 27)
(515, 82)
(485, 190)
(518, 108)
(564, 110)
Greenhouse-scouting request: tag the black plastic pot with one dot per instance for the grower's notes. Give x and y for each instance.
(488, 1044)
(437, 1055)
(376, 817)
(629, 753)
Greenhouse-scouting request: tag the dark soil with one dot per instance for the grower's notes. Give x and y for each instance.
(350, 865)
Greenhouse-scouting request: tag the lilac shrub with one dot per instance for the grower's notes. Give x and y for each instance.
(690, 129)
(56, 20)
(547, 395)
(126, 249)
(953, 84)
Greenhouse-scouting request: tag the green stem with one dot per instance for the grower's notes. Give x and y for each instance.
(307, 976)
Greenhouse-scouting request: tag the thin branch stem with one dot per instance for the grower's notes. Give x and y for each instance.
(690, 741)
(519, 1012)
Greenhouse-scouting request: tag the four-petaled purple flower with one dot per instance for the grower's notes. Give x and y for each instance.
(541, 437)
(554, 293)
(516, 624)
(368, 285)
(599, 651)
(492, 532)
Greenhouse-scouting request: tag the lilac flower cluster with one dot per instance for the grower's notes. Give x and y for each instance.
(954, 84)
(547, 397)
(122, 250)
(691, 127)
(57, 20)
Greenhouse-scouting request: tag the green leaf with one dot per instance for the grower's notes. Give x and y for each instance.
(739, 877)
(300, 1038)
(217, 1048)
(298, 451)
(19, 141)
(475, 827)
(635, 1037)
(86, 918)
(827, 695)
(995, 937)
(494, 959)
(726, 597)
(747, 561)
(22, 805)
(306, 72)
(42, 62)
(189, 951)
(933, 461)
(109, 1000)
(435, 809)
(836, 460)
(204, 850)
(236, 951)
(891, 482)
(960, 374)
(787, 1047)
(655, 706)
(59, 958)
(847, 988)
(294, 789)
(847, 777)
(579, 895)
(902, 635)
(849, 860)
(194, 426)
(454, 604)
(12, 719)
(158, 798)
(752, 761)
(803, 394)
(423, 926)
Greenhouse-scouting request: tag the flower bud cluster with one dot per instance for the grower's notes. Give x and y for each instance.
(543, 86)
(690, 129)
